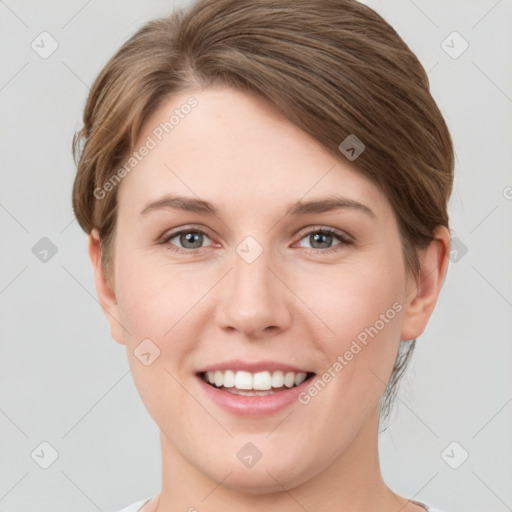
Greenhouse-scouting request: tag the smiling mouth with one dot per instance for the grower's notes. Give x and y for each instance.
(254, 384)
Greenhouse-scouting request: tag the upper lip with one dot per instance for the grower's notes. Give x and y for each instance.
(253, 367)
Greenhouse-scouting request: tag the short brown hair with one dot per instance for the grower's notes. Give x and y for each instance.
(334, 68)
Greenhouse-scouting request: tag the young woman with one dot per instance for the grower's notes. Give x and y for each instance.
(264, 186)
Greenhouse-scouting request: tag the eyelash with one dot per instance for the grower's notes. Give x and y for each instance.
(343, 239)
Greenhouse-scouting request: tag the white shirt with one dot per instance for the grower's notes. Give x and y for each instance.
(135, 507)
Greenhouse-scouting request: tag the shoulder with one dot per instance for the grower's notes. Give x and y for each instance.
(134, 507)
(426, 507)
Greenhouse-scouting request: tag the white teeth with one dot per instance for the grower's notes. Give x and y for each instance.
(261, 381)
(229, 379)
(243, 380)
(299, 379)
(277, 379)
(289, 379)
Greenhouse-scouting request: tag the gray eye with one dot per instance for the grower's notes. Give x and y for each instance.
(320, 240)
(191, 240)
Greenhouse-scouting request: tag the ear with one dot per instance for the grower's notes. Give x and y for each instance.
(106, 293)
(422, 294)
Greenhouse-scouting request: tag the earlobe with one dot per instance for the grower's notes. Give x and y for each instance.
(104, 289)
(422, 296)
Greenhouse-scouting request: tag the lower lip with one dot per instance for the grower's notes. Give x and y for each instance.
(253, 405)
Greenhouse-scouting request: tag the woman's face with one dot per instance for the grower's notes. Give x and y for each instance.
(257, 286)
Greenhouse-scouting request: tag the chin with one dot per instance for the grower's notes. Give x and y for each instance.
(269, 475)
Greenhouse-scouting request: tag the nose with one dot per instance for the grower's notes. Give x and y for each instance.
(252, 298)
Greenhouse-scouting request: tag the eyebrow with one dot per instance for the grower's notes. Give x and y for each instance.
(314, 206)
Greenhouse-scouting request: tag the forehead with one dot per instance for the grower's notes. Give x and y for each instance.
(237, 149)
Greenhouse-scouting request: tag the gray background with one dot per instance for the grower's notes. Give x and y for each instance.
(65, 381)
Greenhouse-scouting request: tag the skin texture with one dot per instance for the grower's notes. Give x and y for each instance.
(296, 304)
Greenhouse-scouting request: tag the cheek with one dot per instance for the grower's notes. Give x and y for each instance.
(362, 305)
(353, 297)
(152, 297)
(156, 306)
(161, 308)
(365, 314)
